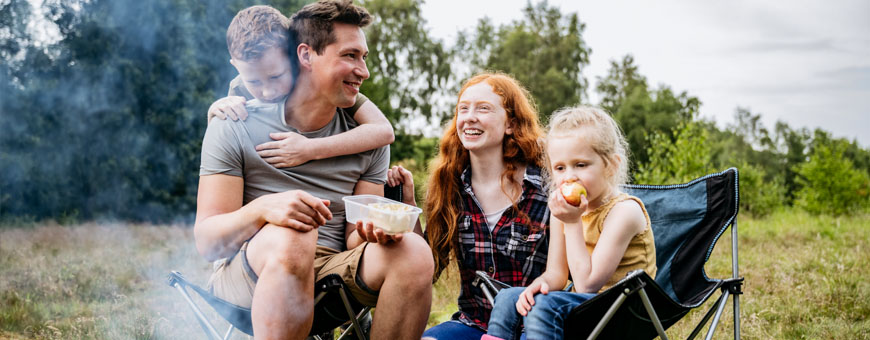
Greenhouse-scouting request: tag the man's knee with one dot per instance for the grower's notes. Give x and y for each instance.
(415, 256)
(284, 248)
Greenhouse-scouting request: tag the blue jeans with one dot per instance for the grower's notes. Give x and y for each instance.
(546, 320)
(453, 330)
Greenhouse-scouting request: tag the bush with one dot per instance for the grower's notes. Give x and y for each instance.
(759, 194)
(830, 183)
(677, 159)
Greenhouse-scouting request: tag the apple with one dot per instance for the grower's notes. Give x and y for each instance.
(572, 191)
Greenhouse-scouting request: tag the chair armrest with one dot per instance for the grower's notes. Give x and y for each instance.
(490, 286)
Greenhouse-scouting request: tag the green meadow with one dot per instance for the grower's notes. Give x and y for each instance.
(806, 278)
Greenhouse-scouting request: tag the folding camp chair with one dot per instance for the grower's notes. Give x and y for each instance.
(687, 220)
(333, 304)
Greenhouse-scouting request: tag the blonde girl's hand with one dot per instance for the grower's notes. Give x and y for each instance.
(527, 297)
(397, 175)
(564, 211)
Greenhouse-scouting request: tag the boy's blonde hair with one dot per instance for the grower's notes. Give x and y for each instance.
(256, 29)
(603, 134)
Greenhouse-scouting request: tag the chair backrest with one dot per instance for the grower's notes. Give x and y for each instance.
(687, 220)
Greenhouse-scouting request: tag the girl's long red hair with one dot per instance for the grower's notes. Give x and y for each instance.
(523, 147)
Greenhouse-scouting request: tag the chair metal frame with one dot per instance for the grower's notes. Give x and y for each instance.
(329, 284)
(637, 283)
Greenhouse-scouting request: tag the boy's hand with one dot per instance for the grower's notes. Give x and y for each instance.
(294, 209)
(527, 297)
(369, 233)
(231, 106)
(564, 211)
(398, 175)
(288, 150)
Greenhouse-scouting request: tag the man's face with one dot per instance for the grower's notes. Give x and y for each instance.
(340, 70)
(268, 78)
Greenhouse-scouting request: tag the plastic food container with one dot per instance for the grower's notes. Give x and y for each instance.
(391, 216)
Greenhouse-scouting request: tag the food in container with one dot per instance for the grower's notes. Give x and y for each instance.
(391, 216)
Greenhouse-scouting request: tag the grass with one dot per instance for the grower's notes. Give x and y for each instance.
(806, 278)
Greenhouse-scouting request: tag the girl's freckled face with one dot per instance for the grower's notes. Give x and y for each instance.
(481, 120)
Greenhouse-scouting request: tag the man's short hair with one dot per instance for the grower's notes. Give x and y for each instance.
(312, 25)
(255, 30)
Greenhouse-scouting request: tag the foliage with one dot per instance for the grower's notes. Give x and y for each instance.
(408, 68)
(544, 51)
(758, 195)
(830, 183)
(678, 158)
(639, 110)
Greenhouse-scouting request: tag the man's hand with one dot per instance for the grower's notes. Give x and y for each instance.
(527, 297)
(231, 106)
(288, 150)
(398, 175)
(295, 209)
(369, 233)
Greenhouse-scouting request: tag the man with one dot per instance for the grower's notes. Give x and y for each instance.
(278, 230)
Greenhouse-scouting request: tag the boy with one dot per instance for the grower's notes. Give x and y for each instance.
(258, 39)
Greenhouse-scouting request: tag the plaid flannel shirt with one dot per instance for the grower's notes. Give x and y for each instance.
(512, 253)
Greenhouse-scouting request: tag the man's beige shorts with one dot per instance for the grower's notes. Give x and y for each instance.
(233, 279)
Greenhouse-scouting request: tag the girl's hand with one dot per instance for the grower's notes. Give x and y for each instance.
(399, 175)
(527, 297)
(564, 211)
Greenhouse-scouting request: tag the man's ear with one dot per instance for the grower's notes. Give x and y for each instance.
(304, 53)
(233, 62)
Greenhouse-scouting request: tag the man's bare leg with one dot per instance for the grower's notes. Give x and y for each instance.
(283, 304)
(402, 272)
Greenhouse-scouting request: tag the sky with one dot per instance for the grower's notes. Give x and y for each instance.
(806, 63)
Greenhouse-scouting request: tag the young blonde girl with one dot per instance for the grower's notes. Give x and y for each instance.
(597, 242)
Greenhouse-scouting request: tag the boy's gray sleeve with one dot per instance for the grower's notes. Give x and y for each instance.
(221, 150)
(377, 170)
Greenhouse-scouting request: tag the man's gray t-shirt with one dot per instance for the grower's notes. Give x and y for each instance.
(228, 148)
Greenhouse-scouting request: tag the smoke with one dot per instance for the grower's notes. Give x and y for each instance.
(106, 122)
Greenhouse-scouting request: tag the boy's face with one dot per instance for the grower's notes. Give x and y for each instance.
(268, 78)
(340, 70)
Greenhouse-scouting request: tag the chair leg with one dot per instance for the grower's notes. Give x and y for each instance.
(203, 321)
(736, 316)
(704, 320)
(719, 310)
(652, 314)
(607, 316)
(229, 332)
(351, 314)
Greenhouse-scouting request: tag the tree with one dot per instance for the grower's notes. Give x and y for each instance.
(642, 112)
(829, 182)
(544, 51)
(107, 122)
(622, 80)
(676, 157)
(410, 71)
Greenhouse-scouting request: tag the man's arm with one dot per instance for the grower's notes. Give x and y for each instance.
(223, 223)
(291, 149)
